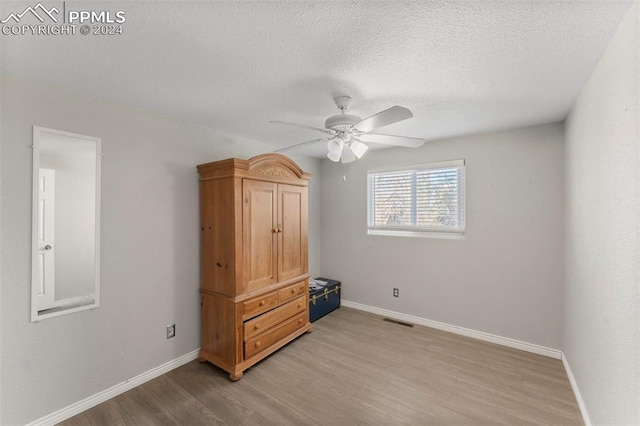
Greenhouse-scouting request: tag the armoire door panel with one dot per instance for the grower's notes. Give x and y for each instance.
(259, 214)
(292, 238)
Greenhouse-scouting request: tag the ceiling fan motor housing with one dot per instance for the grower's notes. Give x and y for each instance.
(341, 122)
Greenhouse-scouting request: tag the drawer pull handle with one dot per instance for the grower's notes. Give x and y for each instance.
(300, 321)
(257, 326)
(293, 290)
(262, 303)
(258, 344)
(299, 305)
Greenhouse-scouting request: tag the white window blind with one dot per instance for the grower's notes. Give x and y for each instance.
(422, 198)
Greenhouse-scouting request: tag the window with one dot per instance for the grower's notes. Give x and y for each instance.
(422, 200)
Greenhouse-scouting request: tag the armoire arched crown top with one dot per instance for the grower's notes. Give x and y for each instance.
(266, 166)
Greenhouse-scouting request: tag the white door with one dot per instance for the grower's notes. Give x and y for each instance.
(46, 252)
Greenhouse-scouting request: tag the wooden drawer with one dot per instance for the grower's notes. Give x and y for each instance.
(292, 291)
(261, 304)
(279, 332)
(264, 322)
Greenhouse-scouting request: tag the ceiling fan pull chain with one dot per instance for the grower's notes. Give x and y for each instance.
(344, 172)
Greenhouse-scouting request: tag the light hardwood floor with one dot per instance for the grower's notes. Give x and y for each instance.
(356, 369)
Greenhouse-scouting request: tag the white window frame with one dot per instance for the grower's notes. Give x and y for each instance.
(428, 232)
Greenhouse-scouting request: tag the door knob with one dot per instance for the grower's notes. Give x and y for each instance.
(48, 247)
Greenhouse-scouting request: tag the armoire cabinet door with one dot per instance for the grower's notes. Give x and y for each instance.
(259, 221)
(292, 238)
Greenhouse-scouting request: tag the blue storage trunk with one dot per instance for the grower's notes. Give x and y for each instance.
(324, 300)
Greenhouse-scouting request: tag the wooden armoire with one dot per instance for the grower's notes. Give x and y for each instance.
(254, 266)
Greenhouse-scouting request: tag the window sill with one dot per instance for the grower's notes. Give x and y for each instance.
(417, 234)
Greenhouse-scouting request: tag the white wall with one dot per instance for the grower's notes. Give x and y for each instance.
(504, 278)
(150, 248)
(602, 234)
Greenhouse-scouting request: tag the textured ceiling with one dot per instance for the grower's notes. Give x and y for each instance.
(460, 66)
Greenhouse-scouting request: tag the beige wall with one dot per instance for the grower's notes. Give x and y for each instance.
(150, 248)
(504, 278)
(602, 231)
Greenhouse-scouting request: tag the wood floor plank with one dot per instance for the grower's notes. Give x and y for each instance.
(206, 384)
(79, 420)
(182, 405)
(272, 405)
(414, 405)
(108, 413)
(356, 369)
(144, 410)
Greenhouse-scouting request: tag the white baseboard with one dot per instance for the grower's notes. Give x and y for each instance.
(576, 391)
(100, 397)
(481, 335)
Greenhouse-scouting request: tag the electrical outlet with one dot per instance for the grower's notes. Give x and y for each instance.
(396, 292)
(171, 331)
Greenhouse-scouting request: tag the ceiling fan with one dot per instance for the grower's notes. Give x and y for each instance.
(348, 132)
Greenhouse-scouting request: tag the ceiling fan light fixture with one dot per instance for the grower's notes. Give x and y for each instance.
(335, 146)
(347, 155)
(358, 148)
(335, 157)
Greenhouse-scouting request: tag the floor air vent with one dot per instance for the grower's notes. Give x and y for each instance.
(406, 324)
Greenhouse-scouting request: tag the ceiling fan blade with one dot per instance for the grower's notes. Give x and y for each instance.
(392, 140)
(300, 145)
(384, 118)
(286, 123)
